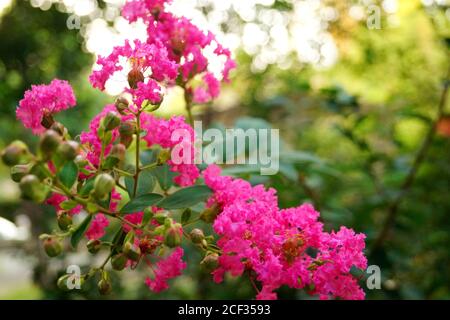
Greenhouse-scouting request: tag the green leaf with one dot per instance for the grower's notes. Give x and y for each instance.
(80, 230)
(185, 198)
(68, 204)
(68, 174)
(110, 163)
(87, 187)
(141, 202)
(186, 215)
(146, 184)
(149, 156)
(164, 176)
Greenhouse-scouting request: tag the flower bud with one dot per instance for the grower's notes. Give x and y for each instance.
(126, 131)
(59, 128)
(163, 156)
(134, 77)
(210, 262)
(197, 236)
(210, 214)
(49, 142)
(173, 235)
(47, 120)
(15, 153)
(31, 188)
(64, 221)
(80, 162)
(119, 261)
(68, 150)
(52, 246)
(62, 282)
(131, 251)
(104, 285)
(19, 171)
(121, 104)
(118, 151)
(110, 121)
(94, 246)
(103, 185)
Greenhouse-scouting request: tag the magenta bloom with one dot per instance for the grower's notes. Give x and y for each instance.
(97, 228)
(283, 247)
(166, 269)
(44, 100)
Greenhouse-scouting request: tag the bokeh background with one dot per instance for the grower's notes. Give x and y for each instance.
(356, 101)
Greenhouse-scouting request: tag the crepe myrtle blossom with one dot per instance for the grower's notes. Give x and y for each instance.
(281, 246)
(39, 104)
(186, 45)
(102, 175)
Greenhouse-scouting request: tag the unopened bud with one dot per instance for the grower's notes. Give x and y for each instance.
(19, 171)
(104, 285)
(210, 262)
(121, 104)
(132, 251)
(119, 261)
(111, 121)
(126, 131)
(15, 153)
(47, 120)
(59, 128)
(134, 77)
(118, 151)
(68, 150)
(64, 221)
(94, 246)
(163, 156)
(31, 188)
(62, 282)
(103, 185)
(80, 161)
(197, 236)
(52, 247)
(49, 142)
(173, 235)
(210, 214)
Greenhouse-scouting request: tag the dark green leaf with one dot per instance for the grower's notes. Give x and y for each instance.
(164, 176)
(68, 174)
(185, 198)
(80, 230)
(146, 184)
(141, 202)
(87, 187)
(186, 215)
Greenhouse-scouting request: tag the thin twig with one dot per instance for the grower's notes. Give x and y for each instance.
(393, 208)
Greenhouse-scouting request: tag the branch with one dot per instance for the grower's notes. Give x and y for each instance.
(393, 208)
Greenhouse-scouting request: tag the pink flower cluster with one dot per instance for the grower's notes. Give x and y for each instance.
(166, 269)
(44, 101)
(279, 247)
(174, 47)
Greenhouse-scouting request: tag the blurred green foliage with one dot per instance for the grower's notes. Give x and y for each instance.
(350, 135)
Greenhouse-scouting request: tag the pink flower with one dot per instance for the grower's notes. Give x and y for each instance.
(44, 101)
(281, 246)
(56, 199)
(166, 269)
(97, 228)
(149, 91)
(212, 90)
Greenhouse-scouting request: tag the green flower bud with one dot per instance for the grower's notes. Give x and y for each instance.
(110, 121)
(50, 141)
(64, 221)
(210, 214)
(131, 251)
(68, 150)
(15, 153)
(103, 185)
(59, 128)
(210, 262)
(197, 236)
(104, 285)
(62, 282)
(80, 161)
(94, 246)
(119, 261)
(19, 171)
(52, 246)
(173, 235)
(33, 189)
(164, 156)
(134, 77)
(118, 151)
(121, 104)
